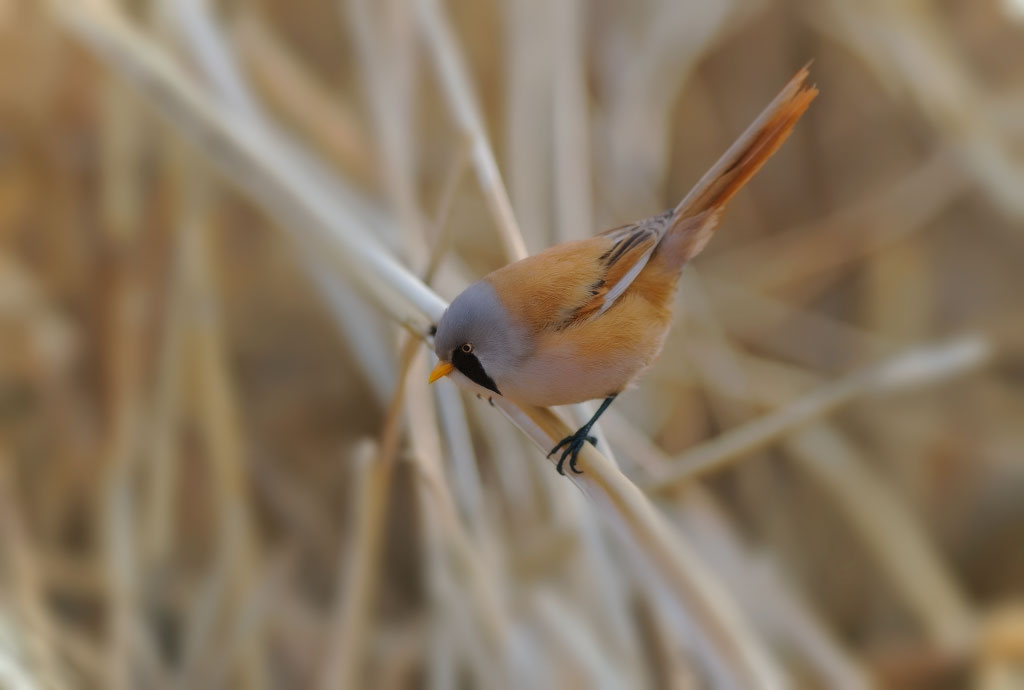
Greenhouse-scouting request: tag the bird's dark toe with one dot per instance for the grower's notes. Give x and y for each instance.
(592, 440)
(573, 452)
(572, 462)
(567, 439)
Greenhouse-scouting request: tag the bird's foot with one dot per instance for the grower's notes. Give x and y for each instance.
(572, 444)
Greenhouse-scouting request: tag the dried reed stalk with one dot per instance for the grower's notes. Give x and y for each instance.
(910, 50)
(32, 628)
(122, 214)
(888, 531)
(571, 123)
(917, 366)
(453, 77)
(256, 164)
(219, 420)
(295, 93)
(361, 574)
(899, 543)
(825, 246)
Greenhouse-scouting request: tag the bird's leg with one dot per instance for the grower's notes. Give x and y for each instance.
(574, 443)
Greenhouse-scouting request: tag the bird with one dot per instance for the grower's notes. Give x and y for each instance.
(584, 319)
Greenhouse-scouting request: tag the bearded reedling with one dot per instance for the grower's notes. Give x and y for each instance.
(583, 320)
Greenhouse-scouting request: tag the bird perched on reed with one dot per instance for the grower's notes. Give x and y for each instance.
(583, 320)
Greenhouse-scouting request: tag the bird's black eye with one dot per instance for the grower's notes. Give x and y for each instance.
(466, 362)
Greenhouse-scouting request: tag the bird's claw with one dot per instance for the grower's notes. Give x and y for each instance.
(573, 445)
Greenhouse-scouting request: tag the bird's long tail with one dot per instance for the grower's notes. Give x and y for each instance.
(697, 215)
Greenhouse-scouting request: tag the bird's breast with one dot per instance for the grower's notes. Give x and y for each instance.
(592, 360)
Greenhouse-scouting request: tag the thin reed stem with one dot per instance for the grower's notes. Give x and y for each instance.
(918, 366)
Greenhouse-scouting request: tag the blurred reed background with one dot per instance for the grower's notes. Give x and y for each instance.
(220, 462)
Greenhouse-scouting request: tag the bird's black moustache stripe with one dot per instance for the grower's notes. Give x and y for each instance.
(469, 365)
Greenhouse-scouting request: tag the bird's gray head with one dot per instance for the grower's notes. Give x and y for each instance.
(477, 336)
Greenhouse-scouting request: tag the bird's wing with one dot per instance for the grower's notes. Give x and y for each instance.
(626, 251)
(570, 283)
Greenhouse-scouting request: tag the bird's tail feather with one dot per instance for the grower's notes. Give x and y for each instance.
(696, 216)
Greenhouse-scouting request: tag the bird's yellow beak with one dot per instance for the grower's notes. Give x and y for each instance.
(441, 370)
